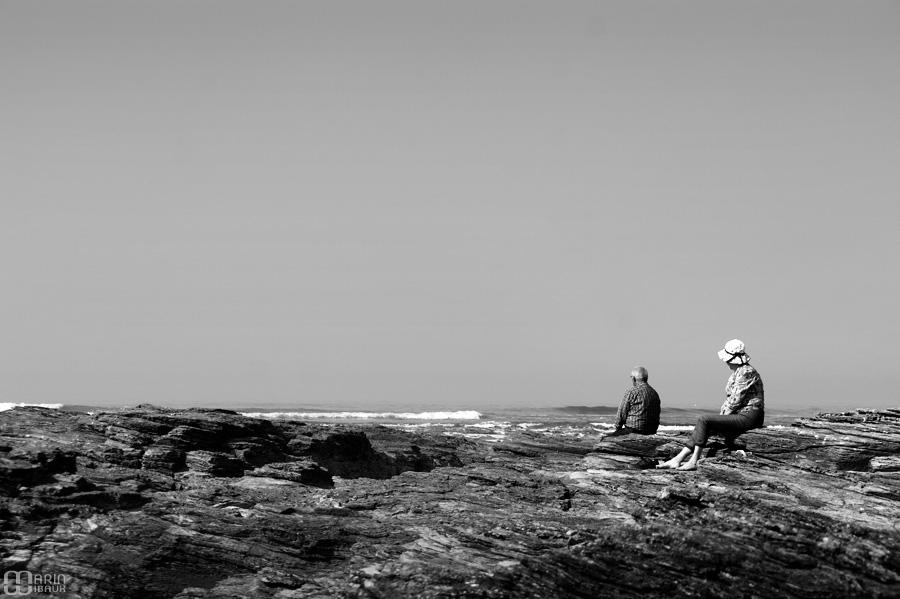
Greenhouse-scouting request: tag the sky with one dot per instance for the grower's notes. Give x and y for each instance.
(458, 204)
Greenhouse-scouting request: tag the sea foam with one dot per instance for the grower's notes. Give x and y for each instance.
(459, 415)
(662, 427)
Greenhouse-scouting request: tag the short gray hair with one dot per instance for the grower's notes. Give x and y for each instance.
(640, 373)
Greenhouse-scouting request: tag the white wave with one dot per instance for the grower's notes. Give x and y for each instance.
(489, 437)
(10, 406)
(662, 427)
(460, 415)
(418, 425)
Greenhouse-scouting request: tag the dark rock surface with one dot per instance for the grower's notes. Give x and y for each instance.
(158, 503)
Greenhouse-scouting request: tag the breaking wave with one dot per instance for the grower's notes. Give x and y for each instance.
(662, 427)
(460, 415)
(587, 409)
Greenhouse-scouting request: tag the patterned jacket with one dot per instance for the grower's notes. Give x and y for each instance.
(639, 409)
(744, 391)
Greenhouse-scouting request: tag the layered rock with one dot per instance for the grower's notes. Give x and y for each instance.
(207, 503)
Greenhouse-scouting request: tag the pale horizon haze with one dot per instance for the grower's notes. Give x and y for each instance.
(459, 204)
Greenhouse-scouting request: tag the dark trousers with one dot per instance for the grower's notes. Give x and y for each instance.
(728, 426)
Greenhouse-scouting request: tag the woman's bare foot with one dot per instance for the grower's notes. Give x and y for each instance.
(689, 465)
(669, 464)
(672, 463)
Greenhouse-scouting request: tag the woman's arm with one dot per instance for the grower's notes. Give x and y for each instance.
(744, 380)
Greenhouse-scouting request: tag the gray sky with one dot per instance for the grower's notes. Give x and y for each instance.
(459, 204)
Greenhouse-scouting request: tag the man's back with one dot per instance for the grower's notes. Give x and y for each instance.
(641, 406)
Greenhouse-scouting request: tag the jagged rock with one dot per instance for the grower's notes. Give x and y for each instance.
(26, 467)
(305, 471)
(885, 464)
(63, 484)
(149, 503)
(280, 579)
(131, 479)
(216, 464)
(255, 451)
(190, 437)
(349, 454)
(164, 458)
(128, 457)
(222, 424)
(114, 425)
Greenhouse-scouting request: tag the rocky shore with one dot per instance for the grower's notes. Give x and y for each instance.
(158, 503)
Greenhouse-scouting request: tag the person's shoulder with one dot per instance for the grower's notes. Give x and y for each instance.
(746, 370)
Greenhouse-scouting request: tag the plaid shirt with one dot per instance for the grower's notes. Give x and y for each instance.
(744, 391)
(639, 409)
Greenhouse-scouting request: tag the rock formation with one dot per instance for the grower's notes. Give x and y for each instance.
(158, 503)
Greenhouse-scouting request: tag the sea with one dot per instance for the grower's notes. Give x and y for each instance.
(489, 425)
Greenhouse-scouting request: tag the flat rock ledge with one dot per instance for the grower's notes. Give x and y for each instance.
(158, 503)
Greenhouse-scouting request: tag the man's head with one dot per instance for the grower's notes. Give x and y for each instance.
(639, 374)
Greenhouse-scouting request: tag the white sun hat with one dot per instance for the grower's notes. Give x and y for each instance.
(734, 350)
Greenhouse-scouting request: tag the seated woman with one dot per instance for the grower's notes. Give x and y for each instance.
(742, 411)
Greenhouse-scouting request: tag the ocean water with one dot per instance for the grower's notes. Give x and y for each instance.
(598, 416)
(489, 425)
(495, 425)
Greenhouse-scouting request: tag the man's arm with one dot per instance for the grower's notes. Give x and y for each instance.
(622, 414)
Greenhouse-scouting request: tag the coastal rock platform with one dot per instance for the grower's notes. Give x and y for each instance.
(157, 503)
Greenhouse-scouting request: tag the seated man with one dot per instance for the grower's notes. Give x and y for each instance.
(639, 411)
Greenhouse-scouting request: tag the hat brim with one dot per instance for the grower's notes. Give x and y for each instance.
(730, 358)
